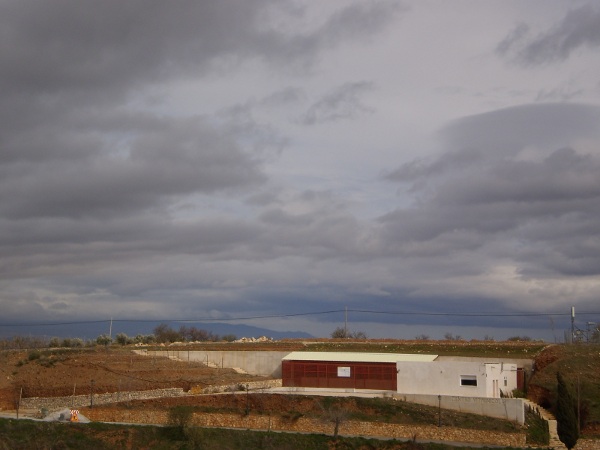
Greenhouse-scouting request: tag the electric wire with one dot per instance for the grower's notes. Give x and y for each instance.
(312, 313)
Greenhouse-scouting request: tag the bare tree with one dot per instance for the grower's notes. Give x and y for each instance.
(342, 333)
(165, 334)
(334, 413)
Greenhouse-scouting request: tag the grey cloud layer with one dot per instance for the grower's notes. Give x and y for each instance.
(579, 28)
(114, 200)
(164, 159)
(486, 190)
(67, 45)
(341, 103)
(90, 185)
(67, 67)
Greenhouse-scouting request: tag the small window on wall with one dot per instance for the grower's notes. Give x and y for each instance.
(468, 380)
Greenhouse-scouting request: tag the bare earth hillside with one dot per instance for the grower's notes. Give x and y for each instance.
(63, 372)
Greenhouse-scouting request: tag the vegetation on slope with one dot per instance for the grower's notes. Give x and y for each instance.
(25, 434)
(579, 365)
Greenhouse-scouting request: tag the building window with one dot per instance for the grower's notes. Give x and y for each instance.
(468, 380)
(505, 382)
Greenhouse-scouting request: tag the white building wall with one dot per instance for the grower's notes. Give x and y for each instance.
(444, 378)
(500, 378)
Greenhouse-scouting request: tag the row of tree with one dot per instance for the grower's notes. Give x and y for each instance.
(162, 334)
(344, 333)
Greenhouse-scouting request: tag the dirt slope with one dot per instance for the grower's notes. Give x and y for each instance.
(61, 372)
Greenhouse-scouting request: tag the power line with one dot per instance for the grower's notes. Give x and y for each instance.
(313, 313)
(412, 313)
(188, 320)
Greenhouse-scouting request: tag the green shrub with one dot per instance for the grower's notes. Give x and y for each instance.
(537, 428)
(77, 343)
(122, 339)
(103, 340)
(518, 393)
(33, 355)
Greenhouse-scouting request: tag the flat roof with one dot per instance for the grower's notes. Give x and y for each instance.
(358, 357)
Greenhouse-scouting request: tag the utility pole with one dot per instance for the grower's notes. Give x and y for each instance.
(92, 394)
(589, 330)
(346, 323)
(247, 399)
(578, 405)
(19, 402)
(572, 324)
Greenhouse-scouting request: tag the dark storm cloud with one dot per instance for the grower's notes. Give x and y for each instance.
(342, 103)
(174, 157)
(544, 206)
(68, 67)
(30, 245)
(579, 28)
(68, 45)
(420, 169)
(65, 44)
(324, 229)
(507, 131)
(498, 135)
(94, 189)
(359, 20)
(163, 159)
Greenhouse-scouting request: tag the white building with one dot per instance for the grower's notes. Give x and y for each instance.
(457, 378)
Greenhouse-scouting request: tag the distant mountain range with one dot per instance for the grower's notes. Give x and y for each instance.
(93, 329)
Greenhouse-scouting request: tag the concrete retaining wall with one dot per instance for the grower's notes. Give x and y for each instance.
(267, 364)
(512, 409)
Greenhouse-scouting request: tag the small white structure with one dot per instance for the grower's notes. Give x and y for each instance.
(457, 378)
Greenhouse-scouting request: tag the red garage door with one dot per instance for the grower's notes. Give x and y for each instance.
(333, 374)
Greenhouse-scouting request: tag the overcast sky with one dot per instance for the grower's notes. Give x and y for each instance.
(232, 158)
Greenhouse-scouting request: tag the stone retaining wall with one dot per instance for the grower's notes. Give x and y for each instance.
(79, 401)
(308, 425)
(252, 386)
